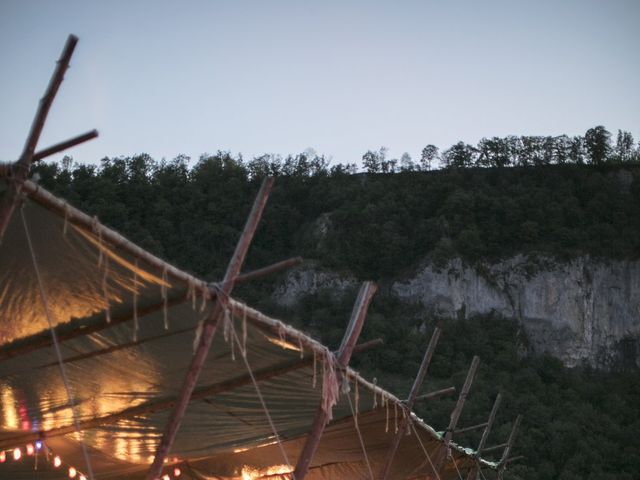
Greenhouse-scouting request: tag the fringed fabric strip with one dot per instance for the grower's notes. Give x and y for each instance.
(330, 387)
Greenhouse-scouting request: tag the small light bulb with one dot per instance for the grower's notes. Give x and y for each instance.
(3, 457)
(72, 472)
(56, 461)
(30, 449)
(166, 477)
(82, 477)
(176, 472)
(38, 445)
(17, 454)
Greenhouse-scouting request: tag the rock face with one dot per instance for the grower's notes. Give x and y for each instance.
(581, 311)
(309, 280)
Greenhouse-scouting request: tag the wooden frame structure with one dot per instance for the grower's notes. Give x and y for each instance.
(16, 177)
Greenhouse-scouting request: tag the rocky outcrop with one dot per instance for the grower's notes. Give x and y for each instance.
(581, 311)
(309, 280)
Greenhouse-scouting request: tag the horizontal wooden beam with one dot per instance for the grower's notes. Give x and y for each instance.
(437, 393)
(471, 428)
(494, 448)
(59, 147)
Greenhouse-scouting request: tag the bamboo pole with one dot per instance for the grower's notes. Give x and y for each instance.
(153, 406)
(415, 389)
(59, 147)
(470, 428)
(208, 330)
(349, 340)
(441, 455)
(20, 170)
(474, 473)
(502, 464)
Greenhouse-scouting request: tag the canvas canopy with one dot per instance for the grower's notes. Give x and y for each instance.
(126, 329)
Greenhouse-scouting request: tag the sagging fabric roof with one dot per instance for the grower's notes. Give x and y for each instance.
(127, 329)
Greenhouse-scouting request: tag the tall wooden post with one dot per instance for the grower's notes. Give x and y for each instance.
(502, 464)
(474, 472)
(20, 169)
(441, 456)
(417, 384)
(344, 355)
(208, 330)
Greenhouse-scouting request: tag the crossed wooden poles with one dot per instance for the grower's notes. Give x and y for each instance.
(16, 176)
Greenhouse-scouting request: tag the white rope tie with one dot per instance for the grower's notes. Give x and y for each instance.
(313, 384)
(364, 450)
(264, 405)
(54, 336)
(433, 469)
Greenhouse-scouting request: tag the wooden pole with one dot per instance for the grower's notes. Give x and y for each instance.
(167, 403)
(20, 170)
(502, 464)
(349, 340)
(441, 455)
(470, 428)
(263, 272)
(436, 394)
(415, 389)
(474, 472)
(85, 326)
(59, 147)
(208, 330)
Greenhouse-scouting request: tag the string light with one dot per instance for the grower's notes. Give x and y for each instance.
(32, 448)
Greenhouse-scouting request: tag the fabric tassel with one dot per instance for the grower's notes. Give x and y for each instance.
(136, 326)
(313, 383)
(395, 417)
(386, 426)
(330, 387)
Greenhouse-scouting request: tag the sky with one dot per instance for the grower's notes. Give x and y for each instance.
(341, 77)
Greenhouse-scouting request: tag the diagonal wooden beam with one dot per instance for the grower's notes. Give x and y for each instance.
(440, 457)
(408, 404)
(166, 403)
(502, 464)
(474, 472)
(349, 340)
(208, 330)
(437, 393)
(61, 146)
(20, 170)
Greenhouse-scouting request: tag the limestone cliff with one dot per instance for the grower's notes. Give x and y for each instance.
(585, 310)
